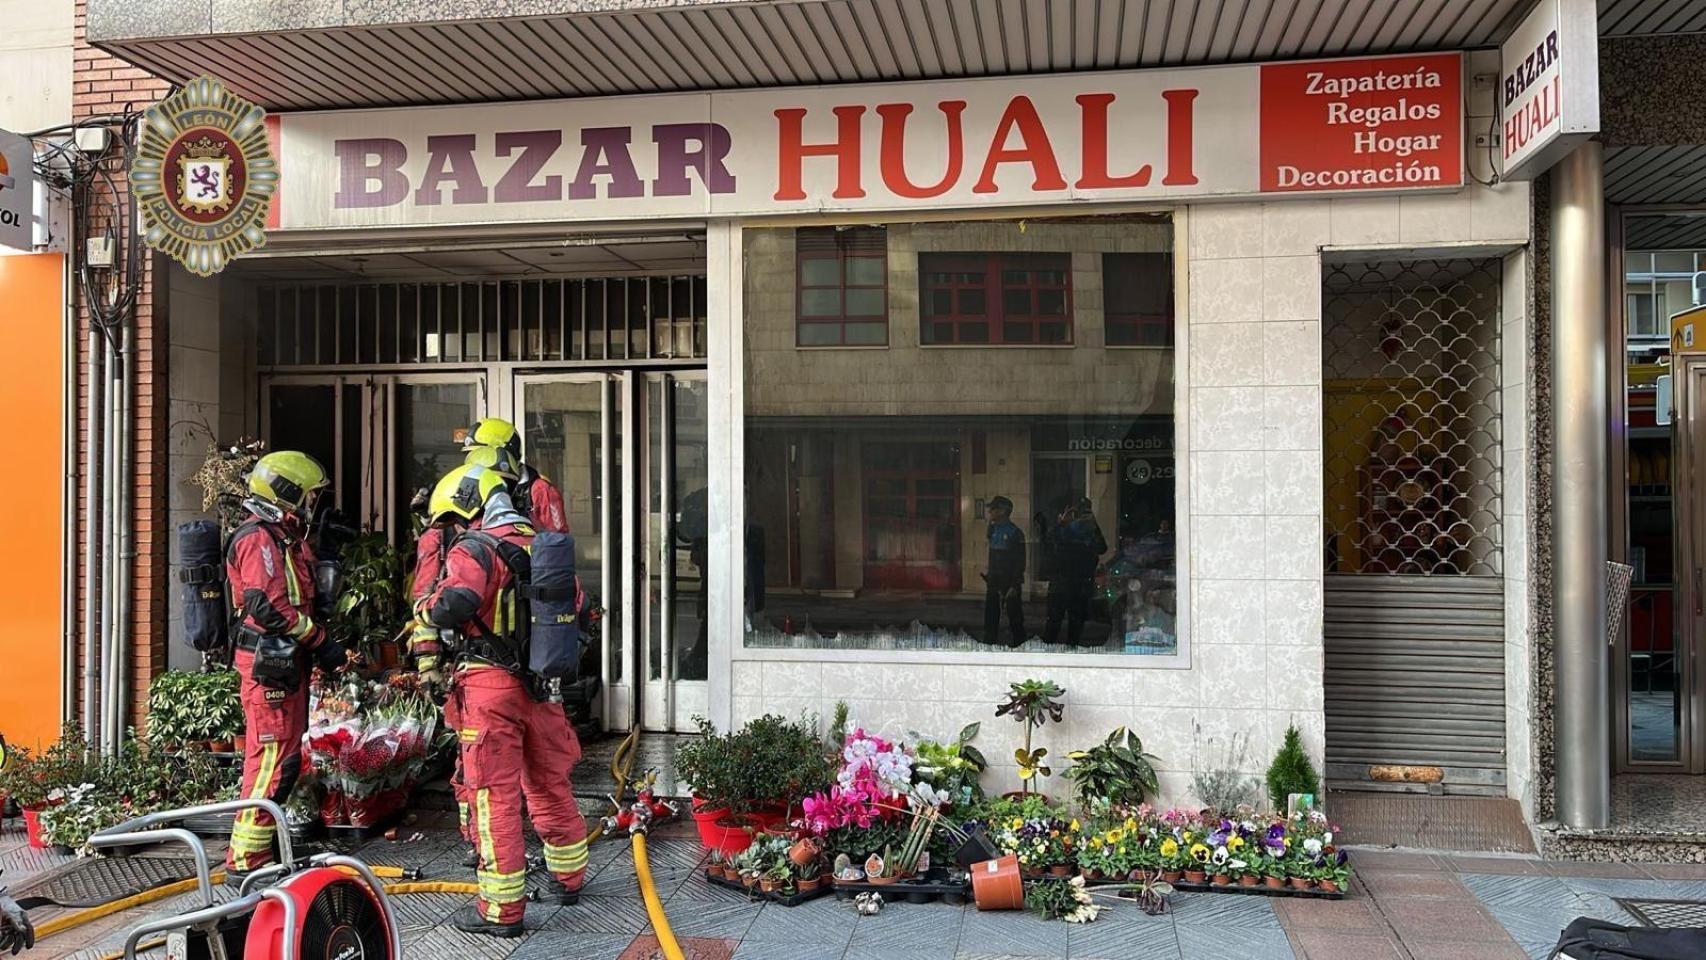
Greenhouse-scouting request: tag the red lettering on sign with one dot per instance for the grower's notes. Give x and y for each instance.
(791, 153)
(894, 149)
(1093, 109)
(1036, 150)
(1181, 128)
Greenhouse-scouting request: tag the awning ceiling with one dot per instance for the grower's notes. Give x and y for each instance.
(288, 57)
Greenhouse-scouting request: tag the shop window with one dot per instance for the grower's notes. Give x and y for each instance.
(874, 490)
(995, 298)
(1137, 299)
(842, 286)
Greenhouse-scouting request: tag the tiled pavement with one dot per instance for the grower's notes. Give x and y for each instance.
(1405, 907)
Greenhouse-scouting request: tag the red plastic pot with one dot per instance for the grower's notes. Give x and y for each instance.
(32, 827)
(730, 835)
(705, 818)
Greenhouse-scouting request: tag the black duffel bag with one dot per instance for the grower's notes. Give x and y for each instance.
(1589, 939)
(201, 570)
(554, 598)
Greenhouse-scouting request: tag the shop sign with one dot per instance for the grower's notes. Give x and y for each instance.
(17, 192)
(1549, 86)
(204, 175)
(1329, 126)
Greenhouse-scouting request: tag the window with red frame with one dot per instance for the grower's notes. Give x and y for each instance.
(841, 275)
(995, 298)
(1137, 299)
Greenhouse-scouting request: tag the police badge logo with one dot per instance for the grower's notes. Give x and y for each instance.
(204, 175)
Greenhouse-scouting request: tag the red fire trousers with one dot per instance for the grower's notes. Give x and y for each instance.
(513, 746)
(272, 760)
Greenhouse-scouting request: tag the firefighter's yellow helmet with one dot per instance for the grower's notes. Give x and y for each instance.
(493, 432)
(499, 459)
(286, 478)
(463, 493)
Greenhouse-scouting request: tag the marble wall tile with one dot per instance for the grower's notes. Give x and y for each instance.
(1226, 291)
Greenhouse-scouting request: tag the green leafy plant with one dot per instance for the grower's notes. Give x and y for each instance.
(186, 708)
(770, 761)
(1032, 703)
(1115, 771)
(1291, 772)
(22, 779)
(371, 606)
(1067, 900)
(837, 728)
(952, 769)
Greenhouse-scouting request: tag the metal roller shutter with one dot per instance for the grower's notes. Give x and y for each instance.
(1416, 677)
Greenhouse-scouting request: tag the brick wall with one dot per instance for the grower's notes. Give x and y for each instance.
(101, 85)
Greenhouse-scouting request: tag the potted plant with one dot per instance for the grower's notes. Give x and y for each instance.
(778, 877)
(1032, 703)
(1174, 858)
(1335, 873)
(952, 769)
(810, 876)
(1197, 869)
(24, 780)
(1067, 900)
(1291, 772)
(1115, 771)
(1151, 892)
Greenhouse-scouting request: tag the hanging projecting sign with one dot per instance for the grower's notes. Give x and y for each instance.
(203, 176)
(1330, 126)
(1549, 86)
(17, 192)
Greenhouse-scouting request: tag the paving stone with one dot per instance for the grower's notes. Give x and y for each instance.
(1675, 871)
(1381, 885)
(1297, 914)
(1335, 945)
(694, 948)
(423, 911)
(1522, 866)
(1206, 942)
(1222, 910)
(768, 950)
(606, 915)
(716, 920)
(552, 945)
(1125, 935)
(1573, 868)
(448, 942)
(825, 921)
(1441, 920)
(1516, 890)
(1393, 860)
(1425, 949)
(1012, 933)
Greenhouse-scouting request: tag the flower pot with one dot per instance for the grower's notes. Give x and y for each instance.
(1301, 883)
(1089, 875)
(749, 881)
(705, 818)
(1171, 876)
(767, 885)
(1059, 870)
(807, 886)
(1249, 880)
(1031, 873)
(891, 878)
(32, 828)
(1328, 886)
(995, 884)
(731, 835)
(1274, 883)
(804, 851)
(1222, 879)
(1196, 876)
(223, 746)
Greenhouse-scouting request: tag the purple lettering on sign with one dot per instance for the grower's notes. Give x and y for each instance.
(605, 154)
(451, 158)
(708, 155)
(365, 162)
(537, 148)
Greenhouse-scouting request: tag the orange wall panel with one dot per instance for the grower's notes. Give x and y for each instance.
(32, 343)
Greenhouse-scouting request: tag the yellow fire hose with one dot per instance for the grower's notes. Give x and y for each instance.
(654, 907)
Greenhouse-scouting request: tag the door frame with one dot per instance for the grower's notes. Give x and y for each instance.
(665, 691)
(617, 706)
(1689, 478)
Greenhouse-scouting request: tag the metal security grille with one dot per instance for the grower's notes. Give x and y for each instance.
(1665, 913)
(1414, 588)
(1411, 363)
(599, 318)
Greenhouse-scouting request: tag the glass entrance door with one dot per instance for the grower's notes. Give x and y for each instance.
(676, 541)
(572, 433)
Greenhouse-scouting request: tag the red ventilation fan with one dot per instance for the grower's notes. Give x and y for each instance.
(337, 917)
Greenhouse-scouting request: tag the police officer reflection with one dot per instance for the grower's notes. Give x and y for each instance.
(1006, 575)
(1076, 544)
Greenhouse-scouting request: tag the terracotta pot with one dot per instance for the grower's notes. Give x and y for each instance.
(1249, 880)
(882, 880)
(804, 851)
(749, 881)
(1300, 883)
(1172, 876)
(223, 746)
(1223, 879)
(1059, 870)
(767, 885)
(995, 884)
(807, 886)
(1089, 875)
(1328, 886)
(1274, 883)
(32, 828)
(1196, 876)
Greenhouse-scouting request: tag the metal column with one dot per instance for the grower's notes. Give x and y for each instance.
(1582, 712)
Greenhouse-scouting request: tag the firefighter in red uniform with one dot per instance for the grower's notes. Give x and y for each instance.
(514, 742)
(531, 491)
(430, 550)
(270, 568)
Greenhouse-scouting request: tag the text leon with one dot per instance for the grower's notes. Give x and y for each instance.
(1020, 137)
